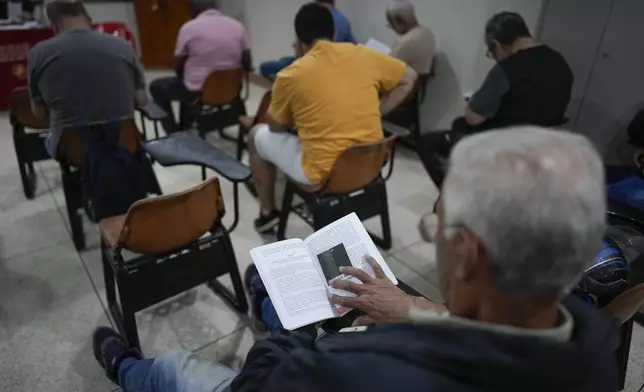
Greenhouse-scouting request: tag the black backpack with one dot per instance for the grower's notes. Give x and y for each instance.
(113, 177)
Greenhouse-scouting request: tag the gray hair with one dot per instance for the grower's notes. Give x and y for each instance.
(402, 9)
(535, 198)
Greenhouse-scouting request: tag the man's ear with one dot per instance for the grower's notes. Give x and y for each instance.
(468, 249)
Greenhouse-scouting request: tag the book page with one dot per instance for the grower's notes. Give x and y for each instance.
(344, 243)
(293, 282)
(378, 46)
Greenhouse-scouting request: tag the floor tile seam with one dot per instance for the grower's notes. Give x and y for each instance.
(219, 339)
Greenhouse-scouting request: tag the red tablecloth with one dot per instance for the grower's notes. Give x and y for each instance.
(14, 50)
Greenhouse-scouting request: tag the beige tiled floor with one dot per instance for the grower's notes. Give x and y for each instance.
(52, 297)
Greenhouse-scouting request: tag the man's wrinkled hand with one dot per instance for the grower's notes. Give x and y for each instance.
(378, 297)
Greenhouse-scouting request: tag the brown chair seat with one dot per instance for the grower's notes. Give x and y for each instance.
(111, 229)
(164, 223)
(356, 169)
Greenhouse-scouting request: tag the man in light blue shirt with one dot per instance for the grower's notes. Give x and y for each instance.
(342, 25)
(343, 33)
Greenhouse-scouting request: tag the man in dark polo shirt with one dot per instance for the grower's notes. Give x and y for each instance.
(81, 75)
(531, 84)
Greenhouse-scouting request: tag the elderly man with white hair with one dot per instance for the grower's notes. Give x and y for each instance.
(522, 216)
(416, 44)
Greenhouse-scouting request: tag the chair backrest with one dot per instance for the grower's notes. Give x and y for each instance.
(71, 148)
(222, 87)
(625, 305)
(260, 117)
(164, 223)
(358, 166)
(21, 113)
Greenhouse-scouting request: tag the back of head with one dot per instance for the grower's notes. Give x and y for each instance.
(505, 28)
(536, 201)
(326, 2)
(314, 22)
(60, 10)
(403, 10)
(199, 6)
(28, 6)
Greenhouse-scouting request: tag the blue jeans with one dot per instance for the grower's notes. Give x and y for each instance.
(270, 68)
(269, 316)
(175, 371)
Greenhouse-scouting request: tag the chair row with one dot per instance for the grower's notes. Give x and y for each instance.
(198, 249)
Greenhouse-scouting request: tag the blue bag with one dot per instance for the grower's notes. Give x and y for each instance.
(113, 176)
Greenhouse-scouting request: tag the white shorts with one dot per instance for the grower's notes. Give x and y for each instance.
(282, 149)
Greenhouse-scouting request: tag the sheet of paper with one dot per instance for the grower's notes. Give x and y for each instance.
(293, 283)
(378, 46)
(345, 243)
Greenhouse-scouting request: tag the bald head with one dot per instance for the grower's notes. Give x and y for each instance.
(67, 14)
(401, 15)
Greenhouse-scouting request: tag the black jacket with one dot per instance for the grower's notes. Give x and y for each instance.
(431, 358)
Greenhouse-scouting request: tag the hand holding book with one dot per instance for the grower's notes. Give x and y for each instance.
(376, 295)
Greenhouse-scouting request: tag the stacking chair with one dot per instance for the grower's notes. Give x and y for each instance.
(355, 184)
(29, 134)
(221, 103)
(187, 148)
(407, 115)
(180, 243)
(246, 123)
(71, 158)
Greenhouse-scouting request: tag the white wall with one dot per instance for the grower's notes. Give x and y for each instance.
(271, 29)
(459, 27)
(115, 12)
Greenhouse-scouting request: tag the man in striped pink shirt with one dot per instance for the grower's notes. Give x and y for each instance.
(209, 42)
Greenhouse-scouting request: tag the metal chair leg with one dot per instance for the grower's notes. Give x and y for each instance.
(390, 171)
(108, 277)
(71, 200)
(385, 241)
(623, 352)
(384, 219)
(286, 210)
(143, 127)
(237, 299)
(241, 144)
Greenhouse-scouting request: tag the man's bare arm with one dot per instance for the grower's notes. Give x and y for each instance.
(395, 97)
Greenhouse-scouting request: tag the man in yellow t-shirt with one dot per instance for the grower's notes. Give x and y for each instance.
(331, 95)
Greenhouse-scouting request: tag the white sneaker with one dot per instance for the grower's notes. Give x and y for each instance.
(428, 227)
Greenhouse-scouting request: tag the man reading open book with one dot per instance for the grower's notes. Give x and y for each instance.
(522, 215)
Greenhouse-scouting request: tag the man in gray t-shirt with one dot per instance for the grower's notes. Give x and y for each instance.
(81, 75)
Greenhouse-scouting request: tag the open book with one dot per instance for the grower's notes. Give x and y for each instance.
(297, 273)
(378, 46)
